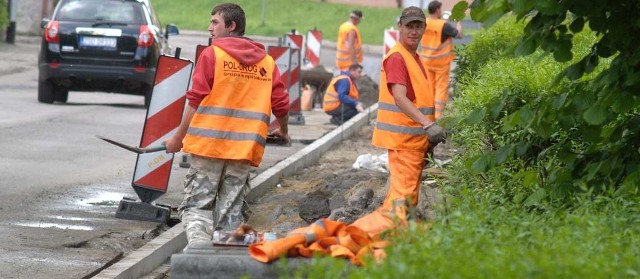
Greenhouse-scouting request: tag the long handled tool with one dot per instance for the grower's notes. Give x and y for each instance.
(135, 149)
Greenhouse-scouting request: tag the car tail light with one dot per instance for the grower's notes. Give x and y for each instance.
(145, 39)
(52, 32)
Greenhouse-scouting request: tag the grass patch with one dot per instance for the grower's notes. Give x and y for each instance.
(598, 239)
(281, 16)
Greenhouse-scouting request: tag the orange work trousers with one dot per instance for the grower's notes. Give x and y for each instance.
(439, 79)
(405, 170)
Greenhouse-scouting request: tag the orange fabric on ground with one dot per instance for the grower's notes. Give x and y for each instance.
(325, 237)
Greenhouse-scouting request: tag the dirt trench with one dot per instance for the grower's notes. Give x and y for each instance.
(332, 177)
(332, 185)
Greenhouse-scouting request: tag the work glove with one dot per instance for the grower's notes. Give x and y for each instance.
(435, 133)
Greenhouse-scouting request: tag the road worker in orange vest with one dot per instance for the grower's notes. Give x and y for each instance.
(341, 99)
(235, 88)
(437, 53)
(349, 45)
(405, 123)
(405, 127)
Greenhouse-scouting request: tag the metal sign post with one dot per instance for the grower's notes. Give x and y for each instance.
(11, 30)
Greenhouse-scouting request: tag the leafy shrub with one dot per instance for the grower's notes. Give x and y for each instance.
(497, 42)
(513, 112)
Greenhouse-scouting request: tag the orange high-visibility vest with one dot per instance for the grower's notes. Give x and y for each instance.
(343, 56)
(435, 53)
(331, 100)
(231, 122)
(394, 129)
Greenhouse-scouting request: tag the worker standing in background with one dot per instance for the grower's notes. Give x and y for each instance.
(437, 53)
(235, 87)
(341, 99)
(349, 45)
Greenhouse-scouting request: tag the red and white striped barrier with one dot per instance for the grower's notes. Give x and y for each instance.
(313, 46)
(391, 37)
(151, 175)
(293, 40)
(288, 62)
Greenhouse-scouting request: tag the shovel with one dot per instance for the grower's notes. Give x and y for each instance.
(138, 150)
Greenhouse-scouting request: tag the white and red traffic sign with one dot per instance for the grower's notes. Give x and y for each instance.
(168, 99)
(313, 46)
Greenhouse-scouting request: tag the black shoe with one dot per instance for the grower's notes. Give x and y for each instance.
(334, 121)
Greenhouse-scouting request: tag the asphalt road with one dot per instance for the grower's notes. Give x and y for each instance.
(59, 184)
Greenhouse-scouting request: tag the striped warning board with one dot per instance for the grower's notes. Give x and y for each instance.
(390, 39)
(288, 62)
(312, 51)
(293, 41)
(151, 175)
(293, 84)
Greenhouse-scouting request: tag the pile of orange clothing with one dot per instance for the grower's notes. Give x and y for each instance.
(337, 239)
(325, 237)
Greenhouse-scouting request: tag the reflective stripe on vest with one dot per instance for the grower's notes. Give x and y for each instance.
(343, 55)
(394, 129)
(436, 53)
(331, 99)
(232, 120)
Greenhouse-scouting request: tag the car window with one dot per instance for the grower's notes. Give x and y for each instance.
(128, 12)
(153, 15)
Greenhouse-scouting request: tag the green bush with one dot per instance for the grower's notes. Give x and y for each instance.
(4, 15)
(487, 45)
(505, 115)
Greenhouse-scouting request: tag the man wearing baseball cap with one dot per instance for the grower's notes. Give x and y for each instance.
(405, 123)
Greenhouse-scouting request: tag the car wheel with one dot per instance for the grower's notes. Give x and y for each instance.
(45, 92)
(147, 90)
(61, 93)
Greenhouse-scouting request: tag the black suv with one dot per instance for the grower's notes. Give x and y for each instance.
(101, 45)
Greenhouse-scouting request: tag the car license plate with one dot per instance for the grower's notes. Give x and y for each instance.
(103, 42)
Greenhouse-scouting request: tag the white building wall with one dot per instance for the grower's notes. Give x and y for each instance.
(29, 14)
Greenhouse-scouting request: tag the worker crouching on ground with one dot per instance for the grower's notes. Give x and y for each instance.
(236, 86)
(341, 99)
(405, 126)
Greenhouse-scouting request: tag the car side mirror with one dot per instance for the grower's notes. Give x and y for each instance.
(171, 29)
(44, 22)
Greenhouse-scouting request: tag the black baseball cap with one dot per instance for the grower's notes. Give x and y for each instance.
(412, 14)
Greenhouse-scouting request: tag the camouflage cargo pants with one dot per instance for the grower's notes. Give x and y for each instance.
(214, 192)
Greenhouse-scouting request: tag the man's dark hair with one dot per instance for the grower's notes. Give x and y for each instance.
(434, 6)
(355, 67)
(357, 13)
(231, 13)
